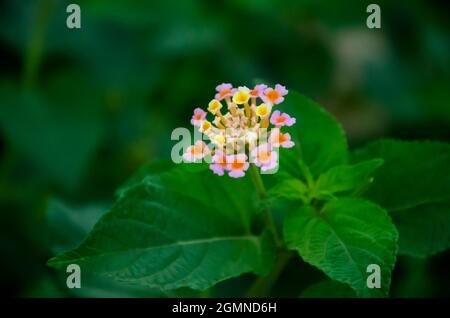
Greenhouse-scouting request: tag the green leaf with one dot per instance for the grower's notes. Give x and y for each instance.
(157, 236)
(328, 289)
(289, 189)
(68, 226)
(414, 186)
(150, 170)
(413, 173)
(424, 230)
(342, 239)
(319, 136)
(346, 177)
(234, 197)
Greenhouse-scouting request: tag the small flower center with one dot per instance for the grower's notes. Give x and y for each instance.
(273, 95)
(206, 125)
(224, 92)
(264, 156)
(262, 110)
(282, 138)
(241, 97)
(254, 92)
(223, 164)
(214, 106)
(237, 165)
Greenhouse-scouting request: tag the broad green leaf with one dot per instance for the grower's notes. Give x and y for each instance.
(317, 134)
(346, 177)
(158, 237)
(68, 226)
(289, 189)
(424, 229)
(413, 173)
(150, 169)
(328, 289)
(414, 186)
(235, 197)
(342, 239)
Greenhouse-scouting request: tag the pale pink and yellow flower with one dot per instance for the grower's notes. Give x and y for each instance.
(278, 139)
(196, 152)
(263, 110)
(237, 165)
(198, 117)
(281, 119)
(205, 126)
(234, 131)
(265, 157)
(224, 90)
(219, 163)
(241, 96)
(258, 91)
(274, 96)
(214, 106)
(218, 139)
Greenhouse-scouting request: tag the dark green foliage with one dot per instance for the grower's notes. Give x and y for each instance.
(175, 227)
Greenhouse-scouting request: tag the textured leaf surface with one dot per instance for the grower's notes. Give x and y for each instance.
(158, 237)
(68, 226)
(289, 189)
(413, 173)
(414, 186)
(321, 139)
(347, 177)
(343, 239)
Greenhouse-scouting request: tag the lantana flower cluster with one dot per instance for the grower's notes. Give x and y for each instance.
(244, 129)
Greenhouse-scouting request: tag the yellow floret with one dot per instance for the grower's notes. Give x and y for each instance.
(219, 139)
(214, 106)
(205, 126)
(241, 96)
(262, 110)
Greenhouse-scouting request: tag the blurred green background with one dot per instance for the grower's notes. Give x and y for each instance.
(82, 109)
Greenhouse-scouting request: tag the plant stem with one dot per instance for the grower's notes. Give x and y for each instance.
(259, 185)
(263, 285)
